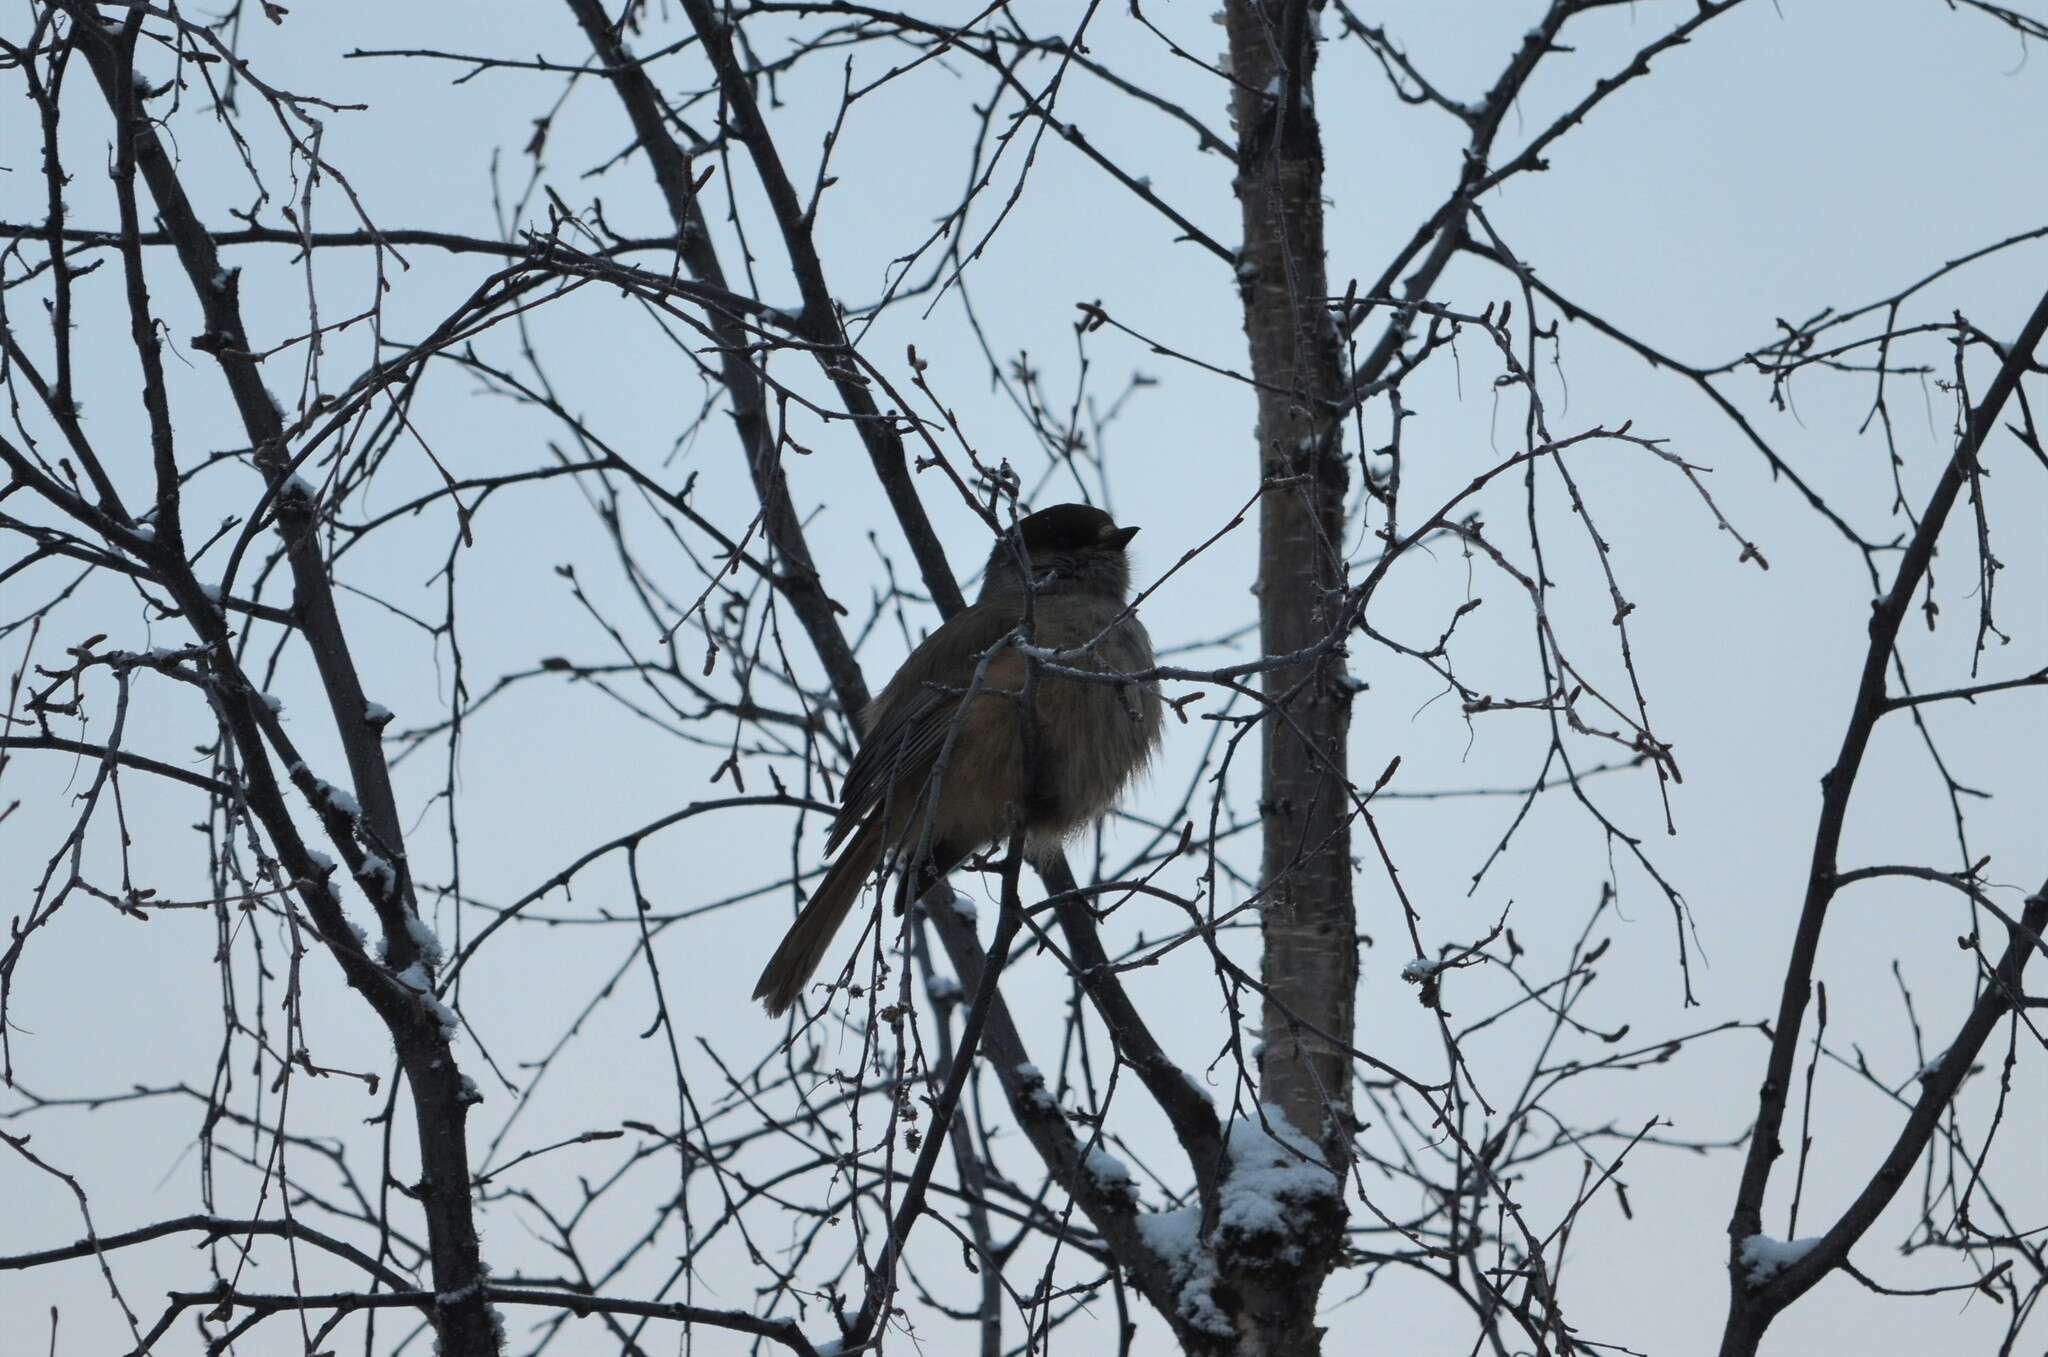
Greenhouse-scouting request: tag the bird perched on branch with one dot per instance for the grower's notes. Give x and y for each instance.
(948, 765)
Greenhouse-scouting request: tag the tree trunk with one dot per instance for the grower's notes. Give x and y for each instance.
(1308, 920)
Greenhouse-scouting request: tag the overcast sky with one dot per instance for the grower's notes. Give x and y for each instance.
(1800, 155)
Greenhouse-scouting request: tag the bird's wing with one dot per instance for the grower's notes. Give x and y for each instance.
(908, 722)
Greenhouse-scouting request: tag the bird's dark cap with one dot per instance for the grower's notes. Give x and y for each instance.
(1072, 527)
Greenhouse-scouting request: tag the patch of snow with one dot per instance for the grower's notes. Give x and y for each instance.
(1111, 1174)
(1035, 1092)
(212, 592)
(324, 865)
(144, 531)
(416, 979)
(1764, 1258)
(471, 1094)
(1188, 1078)
(964, 907)
(423, 937)
(1277, 1179)
(377, 714)
(378, 872)
(276, 705)
(333, 797)
(1176, 1236)
(1420, 969)
(943, 989)
(1933, 1064)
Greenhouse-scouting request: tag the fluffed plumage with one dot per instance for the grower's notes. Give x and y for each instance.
(1091, 738)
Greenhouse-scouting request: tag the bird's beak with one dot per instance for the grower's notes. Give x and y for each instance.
(1117, 537)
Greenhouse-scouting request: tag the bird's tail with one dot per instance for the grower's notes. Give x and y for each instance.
(804, 946)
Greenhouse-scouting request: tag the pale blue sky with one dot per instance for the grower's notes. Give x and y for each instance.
(1799, 155)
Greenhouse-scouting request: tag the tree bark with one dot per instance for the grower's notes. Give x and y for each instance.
(464, 1324)
(1308, 920)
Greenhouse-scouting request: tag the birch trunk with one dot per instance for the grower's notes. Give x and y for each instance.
(1308, 921)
